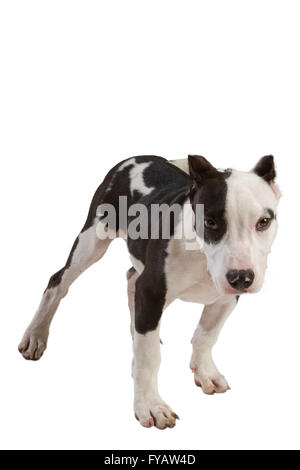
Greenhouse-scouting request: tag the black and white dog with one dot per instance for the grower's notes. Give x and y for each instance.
(230, 258)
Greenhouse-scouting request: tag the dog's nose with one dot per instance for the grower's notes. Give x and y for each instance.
(241, 279)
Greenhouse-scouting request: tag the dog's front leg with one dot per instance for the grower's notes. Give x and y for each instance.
(149, 407)
(206, 334)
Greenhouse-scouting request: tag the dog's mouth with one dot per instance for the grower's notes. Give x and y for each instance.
(225, 289)
(231, 290)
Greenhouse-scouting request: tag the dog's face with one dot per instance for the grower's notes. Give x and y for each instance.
(239, 222)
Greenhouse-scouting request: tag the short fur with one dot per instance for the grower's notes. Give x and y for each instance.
(232, 248)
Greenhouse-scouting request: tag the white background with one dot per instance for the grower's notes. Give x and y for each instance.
(84, 84)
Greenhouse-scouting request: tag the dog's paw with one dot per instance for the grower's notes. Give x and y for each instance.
(156, 414)
(33, 344)
(210, 380)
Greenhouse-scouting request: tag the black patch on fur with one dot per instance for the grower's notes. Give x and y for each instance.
(265, 168)
(210, 189)
(101, 195)
(171, 185)
(150, 288)
(199, 167)
(115, 184)
(160, 174)
(168, 196)
(168, 181)
(55, 279)
(237, 298)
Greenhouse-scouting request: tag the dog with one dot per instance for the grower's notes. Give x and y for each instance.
(229, 259)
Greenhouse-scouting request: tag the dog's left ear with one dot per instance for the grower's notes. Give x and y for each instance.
(265, 168)
(200, 168)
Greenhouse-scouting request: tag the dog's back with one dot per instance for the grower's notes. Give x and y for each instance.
(142, 179)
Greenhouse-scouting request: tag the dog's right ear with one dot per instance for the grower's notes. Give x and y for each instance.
(265, 168)
(200, 168)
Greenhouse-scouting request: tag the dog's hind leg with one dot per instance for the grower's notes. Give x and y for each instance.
(132, 276)
(87, 249)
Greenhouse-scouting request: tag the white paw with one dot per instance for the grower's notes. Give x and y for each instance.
(209, 379)
(156, 413)
(33, 344)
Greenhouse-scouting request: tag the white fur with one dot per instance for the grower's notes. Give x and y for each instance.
(182, 164)
(149, 407)
(243, 247)
(206, 334)
(186, 272)
(137, 264)
(186, 275)
(137, 182)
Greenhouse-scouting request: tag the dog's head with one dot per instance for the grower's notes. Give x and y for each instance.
(239, 221)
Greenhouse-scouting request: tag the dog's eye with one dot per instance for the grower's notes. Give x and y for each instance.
(263, 223)
(211, 224)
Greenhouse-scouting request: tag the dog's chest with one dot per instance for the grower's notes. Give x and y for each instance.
(187, 277)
